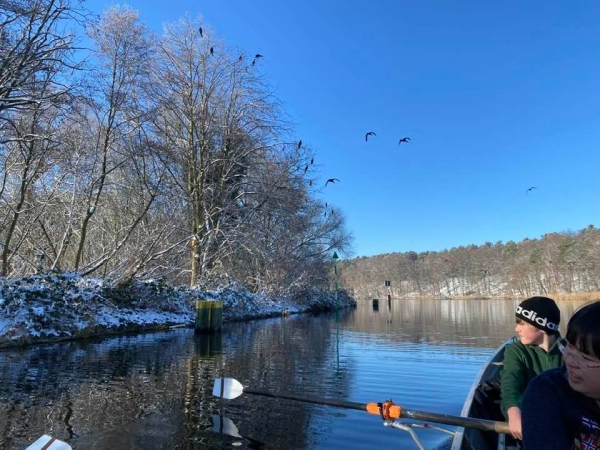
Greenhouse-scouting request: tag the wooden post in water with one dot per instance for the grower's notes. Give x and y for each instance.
(209, 316)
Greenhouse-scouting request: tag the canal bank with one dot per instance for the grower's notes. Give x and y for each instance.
(64, 306)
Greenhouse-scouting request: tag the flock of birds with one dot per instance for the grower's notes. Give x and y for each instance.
(241, 57)
(403, 140)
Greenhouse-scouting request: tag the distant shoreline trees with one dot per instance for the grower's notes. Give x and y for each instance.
(566, 262)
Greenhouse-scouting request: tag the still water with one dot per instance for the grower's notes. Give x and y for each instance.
(154, 391)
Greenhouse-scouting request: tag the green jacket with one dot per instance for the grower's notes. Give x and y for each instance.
(522, 363)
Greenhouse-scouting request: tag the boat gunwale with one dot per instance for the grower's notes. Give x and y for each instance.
(459, 435)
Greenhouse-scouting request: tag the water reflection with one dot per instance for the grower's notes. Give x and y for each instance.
(154, 391)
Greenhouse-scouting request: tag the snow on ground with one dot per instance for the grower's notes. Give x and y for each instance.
(50, 307)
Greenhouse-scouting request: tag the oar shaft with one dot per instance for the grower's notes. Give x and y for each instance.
(315, 400)
(396, 411)
(467, 422)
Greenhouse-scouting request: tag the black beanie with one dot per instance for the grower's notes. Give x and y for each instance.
(541, 312)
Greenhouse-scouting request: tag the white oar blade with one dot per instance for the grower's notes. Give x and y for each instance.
(49, 443)
(230, 388)
(225, 425)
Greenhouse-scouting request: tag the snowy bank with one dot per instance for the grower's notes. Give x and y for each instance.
(52, 307)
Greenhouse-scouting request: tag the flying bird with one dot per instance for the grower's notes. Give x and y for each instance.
(530, 189)
(312, 160)
(310, 182)
(404, 139)
(331, 180)
(370, 133)
(299, 144)
(306, 168)
(200, 31)
(241, 57)
(212, 50)
(256, 57)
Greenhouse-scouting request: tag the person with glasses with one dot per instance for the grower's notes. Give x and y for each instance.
(536, 350)
(561, 407)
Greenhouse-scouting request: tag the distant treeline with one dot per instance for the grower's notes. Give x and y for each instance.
(567, 262)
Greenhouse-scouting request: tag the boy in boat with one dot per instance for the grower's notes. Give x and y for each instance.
(561, 408)
(535, 352)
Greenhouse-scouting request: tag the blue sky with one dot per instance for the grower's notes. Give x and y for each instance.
(496, 97)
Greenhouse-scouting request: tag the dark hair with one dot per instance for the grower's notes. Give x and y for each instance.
(583, 330)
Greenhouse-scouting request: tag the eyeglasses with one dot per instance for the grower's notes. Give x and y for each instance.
(576, 356)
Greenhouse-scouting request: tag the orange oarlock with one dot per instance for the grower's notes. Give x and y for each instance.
(388, 410)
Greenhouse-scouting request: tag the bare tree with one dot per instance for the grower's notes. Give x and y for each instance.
(123, 56)
(33, 41)
(218, 122)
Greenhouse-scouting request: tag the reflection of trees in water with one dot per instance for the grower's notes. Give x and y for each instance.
(478, 323)
(155, 390)
(295, 356)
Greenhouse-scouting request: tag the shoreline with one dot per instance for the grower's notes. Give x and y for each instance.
(61, 307)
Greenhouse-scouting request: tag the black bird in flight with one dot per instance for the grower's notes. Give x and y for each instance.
(312, 160)
(331, 180)
(299, 144)
(212, 50)
(306, 168)
(241, 57)
(370, 133)
(404, 139)
(256, 58)
(200, 31)
(530, 189)
(310, 182)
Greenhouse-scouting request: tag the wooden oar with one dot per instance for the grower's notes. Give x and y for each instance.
(229, 388)
(49, 443)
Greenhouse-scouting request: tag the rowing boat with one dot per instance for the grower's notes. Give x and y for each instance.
(483, 402)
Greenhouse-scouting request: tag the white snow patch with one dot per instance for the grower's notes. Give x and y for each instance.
(65, 305)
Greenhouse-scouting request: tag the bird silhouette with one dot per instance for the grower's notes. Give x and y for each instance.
(212, 50)
(200, 31)
(310, 182)
(312, 160)
(299, 144)
(325, 204)
(258, 55)
(370, 133)
(331, 180)
(404, 139)
(530, 189)
(305, 168)
(241, 57)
